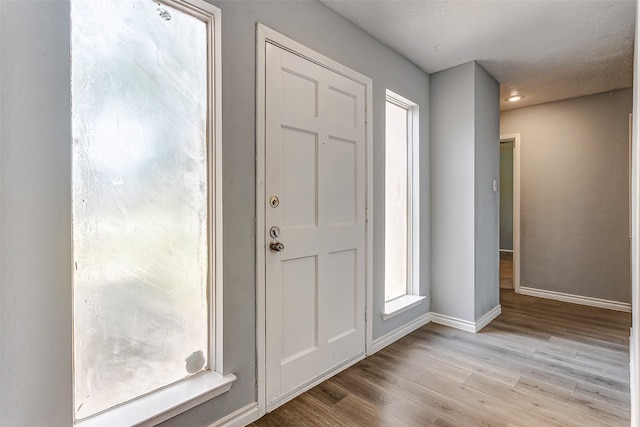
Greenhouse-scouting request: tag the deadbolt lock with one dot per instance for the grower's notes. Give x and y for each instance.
(274, 232)
(274, 201)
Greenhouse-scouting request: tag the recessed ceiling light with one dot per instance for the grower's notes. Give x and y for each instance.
(514, 96)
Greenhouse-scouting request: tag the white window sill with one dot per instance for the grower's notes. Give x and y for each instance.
(165, 403)
(400, 305)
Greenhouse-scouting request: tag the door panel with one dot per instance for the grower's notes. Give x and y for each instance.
(315, 157)
(342, 286)
(299, 308)
(299, 92)
(299, 178)
(341, 182)
(345, 105)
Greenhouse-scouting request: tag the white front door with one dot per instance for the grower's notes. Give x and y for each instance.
(315, 197)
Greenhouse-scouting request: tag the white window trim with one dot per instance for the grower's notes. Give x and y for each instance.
(412, 298)
(176, 398)
(166, 403)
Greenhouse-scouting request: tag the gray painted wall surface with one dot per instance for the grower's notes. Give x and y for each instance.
(575, 194)
(452, 192)
(35, 215)
(35, 296)
(506, 195)
(464, 208)
(487, 201)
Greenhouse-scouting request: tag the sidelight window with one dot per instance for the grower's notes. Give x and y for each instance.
(401, 205)
(146, 211)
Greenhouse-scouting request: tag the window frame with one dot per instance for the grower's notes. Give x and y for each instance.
(169, 401)
(412, 297)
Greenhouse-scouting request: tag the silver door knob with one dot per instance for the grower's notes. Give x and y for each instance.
(276, 246)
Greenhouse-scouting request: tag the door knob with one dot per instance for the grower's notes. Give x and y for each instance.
(276, 246)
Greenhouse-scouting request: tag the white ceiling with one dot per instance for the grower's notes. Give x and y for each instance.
(547, 50)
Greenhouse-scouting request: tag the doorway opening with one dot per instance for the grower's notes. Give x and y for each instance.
(506, 214)
(510, 212)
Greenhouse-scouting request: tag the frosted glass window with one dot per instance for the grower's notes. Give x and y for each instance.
(140, 199)
(396, 201)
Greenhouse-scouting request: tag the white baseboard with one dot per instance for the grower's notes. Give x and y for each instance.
(576, 299)
(453, 322)
(487, 318)
(239, 418)
(466, 325)
(393, 336)
(506, 250)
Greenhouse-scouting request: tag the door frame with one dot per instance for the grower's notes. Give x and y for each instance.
(515, 137)
(266, 35)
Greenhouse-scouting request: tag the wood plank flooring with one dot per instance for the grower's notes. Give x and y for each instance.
(541, 363)
(506, 270)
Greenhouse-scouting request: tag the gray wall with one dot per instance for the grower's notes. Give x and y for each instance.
(575, 194)
(452, 192)
(487, 201)
(506, 195)
(35, 214)
(464, 208)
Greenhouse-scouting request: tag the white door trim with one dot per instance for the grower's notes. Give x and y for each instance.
(635, 235)
(516, 207)
(266, 35)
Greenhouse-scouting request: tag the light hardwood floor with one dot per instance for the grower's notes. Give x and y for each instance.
(506, 270)
(541, 363)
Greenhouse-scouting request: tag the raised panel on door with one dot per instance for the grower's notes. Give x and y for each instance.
(299, 308)
(342, 181)
(342, 287)
(344, 107)
(299, 92)
(299, 178)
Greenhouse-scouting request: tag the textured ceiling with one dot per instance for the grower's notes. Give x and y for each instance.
(547, 50)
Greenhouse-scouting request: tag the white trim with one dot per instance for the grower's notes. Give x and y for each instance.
(400, 305)
(413, 194)
(576, 299)
(506, 250)
(261, 330)
(175, 399)
(634, 344)
(393, 336)
(466, 325)
(265, 34)
(516, 207)
(630, 219)
(239, 418)
(217, 340)
(453, 322)
(2, 96)
(308, 386)
(487, 318)
(369, 215)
